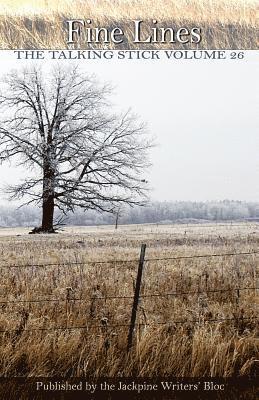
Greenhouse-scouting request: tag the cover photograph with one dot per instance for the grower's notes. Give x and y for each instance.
(129, 199)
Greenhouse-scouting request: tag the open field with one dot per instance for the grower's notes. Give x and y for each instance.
(197, 315)
(225, 24)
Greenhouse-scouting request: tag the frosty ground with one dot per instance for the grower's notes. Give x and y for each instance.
(66, 301)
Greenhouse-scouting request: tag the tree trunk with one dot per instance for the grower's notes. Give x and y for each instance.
(48, 214)
(48, 200)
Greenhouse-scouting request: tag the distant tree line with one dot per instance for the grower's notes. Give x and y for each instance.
(156, 212)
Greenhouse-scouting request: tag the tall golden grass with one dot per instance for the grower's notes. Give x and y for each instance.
(227, 347)
(226, 24)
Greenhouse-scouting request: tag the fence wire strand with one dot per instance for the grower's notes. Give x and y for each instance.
(149, 295)
(92, 262)
(105, 327)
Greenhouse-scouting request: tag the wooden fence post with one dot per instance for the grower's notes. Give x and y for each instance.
(136, 296)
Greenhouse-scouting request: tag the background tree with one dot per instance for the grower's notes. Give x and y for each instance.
(79, 154)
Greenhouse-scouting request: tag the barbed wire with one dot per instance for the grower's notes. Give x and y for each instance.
(198, 292)
(71, 299)
(106, 326)
(87, 262)
(201, 256)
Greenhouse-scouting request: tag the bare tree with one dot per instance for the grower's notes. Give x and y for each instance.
(59, 125)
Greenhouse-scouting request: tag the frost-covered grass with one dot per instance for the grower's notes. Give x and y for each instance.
(181, 349)
(224, 23)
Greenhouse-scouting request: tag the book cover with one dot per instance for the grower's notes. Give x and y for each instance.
(129, 199)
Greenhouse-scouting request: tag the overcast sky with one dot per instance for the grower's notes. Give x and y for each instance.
(204, 114)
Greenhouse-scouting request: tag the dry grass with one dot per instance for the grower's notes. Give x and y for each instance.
(221, 348)
(226, 24)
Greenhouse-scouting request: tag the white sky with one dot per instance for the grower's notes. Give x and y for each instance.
(204, 114)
